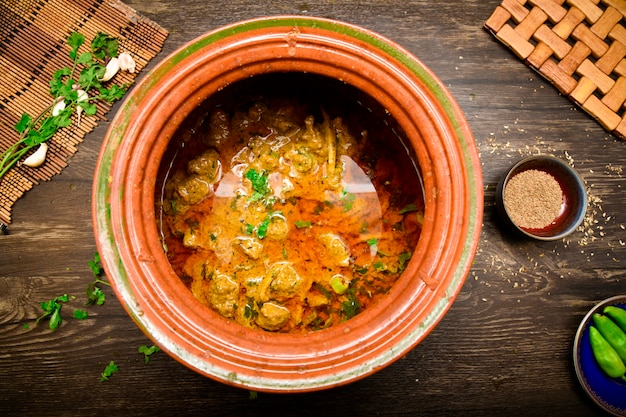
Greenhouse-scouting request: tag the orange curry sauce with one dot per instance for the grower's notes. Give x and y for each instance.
(289, 214)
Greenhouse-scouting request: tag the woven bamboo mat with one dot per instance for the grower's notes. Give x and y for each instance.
(577, 45)
(33, 46)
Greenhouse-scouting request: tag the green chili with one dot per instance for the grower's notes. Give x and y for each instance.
(608, 360)
(612, 334)
(339, 284)
(618, 315)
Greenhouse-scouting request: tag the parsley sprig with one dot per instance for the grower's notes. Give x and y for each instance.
(95, 295)
(148, 351)
(109, 370)
(52, 311)
(75, 90)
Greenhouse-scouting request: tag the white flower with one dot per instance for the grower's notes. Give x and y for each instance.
(127, 63)
(111, 69)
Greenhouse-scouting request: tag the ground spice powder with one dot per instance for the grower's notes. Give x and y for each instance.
(533, 199)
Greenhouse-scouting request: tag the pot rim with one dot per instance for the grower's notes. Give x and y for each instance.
(123, 198)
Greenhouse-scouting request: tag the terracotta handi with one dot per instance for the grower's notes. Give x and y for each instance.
(163, 306)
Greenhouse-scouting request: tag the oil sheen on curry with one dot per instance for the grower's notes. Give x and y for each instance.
(289, 203)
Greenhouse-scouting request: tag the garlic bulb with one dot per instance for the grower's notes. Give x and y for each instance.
(37, 158)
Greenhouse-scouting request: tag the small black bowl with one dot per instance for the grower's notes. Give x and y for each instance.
(574, 207)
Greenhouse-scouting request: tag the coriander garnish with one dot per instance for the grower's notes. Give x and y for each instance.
(74, 90)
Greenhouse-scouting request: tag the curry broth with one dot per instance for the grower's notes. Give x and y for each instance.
(289, 202)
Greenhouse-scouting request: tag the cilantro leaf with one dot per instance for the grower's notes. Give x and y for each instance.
(75, 40)
(81, 314)
(148, 351)
(110, 369)
(95, 295)
(351, 306)
(409, 208)
(302, 224)
(22, 125)
(372, 242)
(104, 46)
(96, 265)
(261, 230)
(403, 260)
(52, 311)
(260, 184)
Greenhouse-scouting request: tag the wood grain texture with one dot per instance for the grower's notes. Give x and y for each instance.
(504, 347)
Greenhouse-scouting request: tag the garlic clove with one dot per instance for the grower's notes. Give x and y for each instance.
(111, 69)
(127, 63)
(82, 95)
(37, 158)
(58, 107)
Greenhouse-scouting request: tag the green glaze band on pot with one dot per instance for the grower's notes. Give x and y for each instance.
(165, 310)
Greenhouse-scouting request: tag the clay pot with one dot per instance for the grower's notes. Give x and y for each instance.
(161, 305)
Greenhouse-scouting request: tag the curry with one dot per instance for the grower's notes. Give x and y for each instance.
(288, 214)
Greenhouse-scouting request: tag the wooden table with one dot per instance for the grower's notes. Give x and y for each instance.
(503, 349)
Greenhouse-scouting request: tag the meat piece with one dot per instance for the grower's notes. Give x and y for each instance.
(223, 295)
(207, 166)
(249, 246)
(336, 249)
(281, 282)
(272, 316)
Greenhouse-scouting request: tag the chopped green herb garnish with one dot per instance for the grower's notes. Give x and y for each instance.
(148, 351)
(80, 314)
(403, 260)
(361, 270)
(260, 184)
(250, 311)
(409, 208)
(95, 295)
(372, 242)
(324, 291)
(302, 224)
(96, 265)
(52, 311)
(380, 266)
(351, 306)
(110, 369)
(348, 200)
(261, 229)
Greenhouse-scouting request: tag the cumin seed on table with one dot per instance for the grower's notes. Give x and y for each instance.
(533, 199)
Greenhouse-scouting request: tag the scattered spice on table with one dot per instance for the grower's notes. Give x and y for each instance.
(533, 199)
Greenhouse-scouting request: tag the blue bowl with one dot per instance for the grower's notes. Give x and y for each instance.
(609, 393)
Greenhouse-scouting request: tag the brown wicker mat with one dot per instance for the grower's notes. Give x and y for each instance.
(577, 45)
(33, 46)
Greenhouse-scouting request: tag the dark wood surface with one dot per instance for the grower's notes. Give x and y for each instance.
(503, 349)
